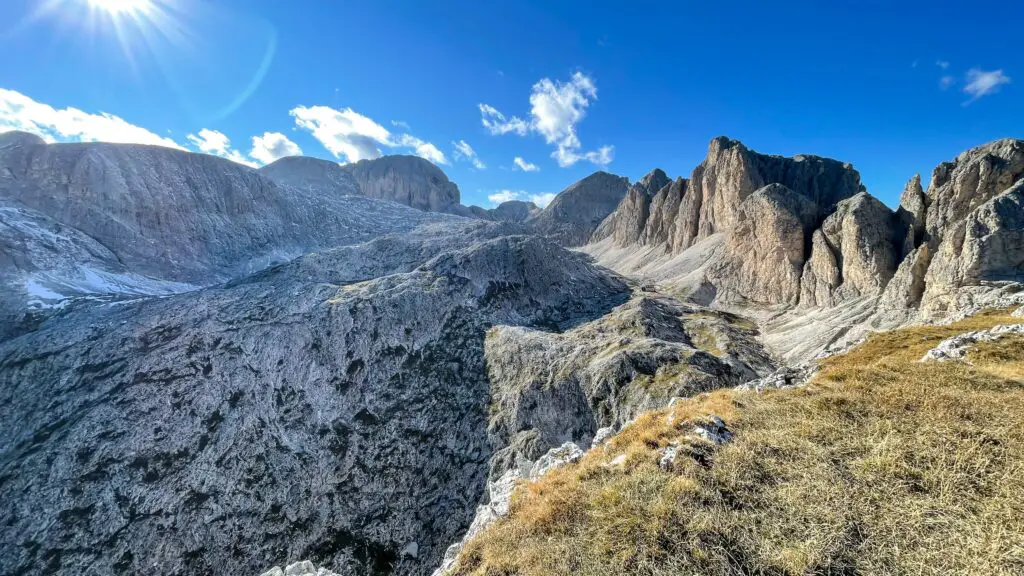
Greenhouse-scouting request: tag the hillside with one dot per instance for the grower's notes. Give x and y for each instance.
(881, 464)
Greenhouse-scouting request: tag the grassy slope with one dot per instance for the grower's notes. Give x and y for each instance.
(882, 465)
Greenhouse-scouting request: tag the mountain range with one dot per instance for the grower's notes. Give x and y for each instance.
(206, 368)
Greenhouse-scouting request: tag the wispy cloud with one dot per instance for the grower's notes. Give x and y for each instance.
(556, 109)
(981, 83)
(20, 112)
(946, 81)
(463, 151)
(351, 136)
(942, 64)
(540, 199)
(497, 124)
(525, 166)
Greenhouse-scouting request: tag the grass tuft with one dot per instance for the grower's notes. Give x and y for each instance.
(881, 465)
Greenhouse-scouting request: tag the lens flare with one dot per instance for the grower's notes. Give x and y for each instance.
(122, 6)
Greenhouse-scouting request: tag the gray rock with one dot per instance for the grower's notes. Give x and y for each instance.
(516, 211)
(550, 388)
(408, 180)
(972, 179)
(957, 347)
(853, 254)
(985, 246)
(311, 175)
(303, 412)
(602, 435)
(765, 249)
(556, 458)
(912, 213)
(626, 224)
(577, 211)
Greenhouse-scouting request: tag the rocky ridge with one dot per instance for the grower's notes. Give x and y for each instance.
(780, 238)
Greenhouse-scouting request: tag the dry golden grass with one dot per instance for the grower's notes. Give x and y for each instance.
(882, 465)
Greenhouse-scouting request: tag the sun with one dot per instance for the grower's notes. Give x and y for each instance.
(122, 6)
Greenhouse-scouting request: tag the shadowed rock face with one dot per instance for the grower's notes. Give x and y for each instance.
(514, 211)
(577, 211)
(626, 224)
(766, 248)
(853, 254)
(315, 410)
(408, 180)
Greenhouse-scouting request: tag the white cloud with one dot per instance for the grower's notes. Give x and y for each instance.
(422, 149)
(525, 166)
(504, 196)
(19, 112)
(942, 64)
(401, 124)
(981, 83)
(463, 151)
(272, 146)
(216, 143)
(496, 123)
(556, 108)
(344, 133)
(348, 134)
(540, 200)
(946, 81)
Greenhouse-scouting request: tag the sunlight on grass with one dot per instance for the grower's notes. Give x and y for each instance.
(881, 465)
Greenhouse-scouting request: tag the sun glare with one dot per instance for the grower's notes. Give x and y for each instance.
(121, 6)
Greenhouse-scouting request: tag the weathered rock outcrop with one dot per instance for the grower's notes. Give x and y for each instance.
(408, 180)
(185, 217)
(912, 212)
(577, 211)
(853, 254)
(550, 388)
(972, 179)
(311, 174)
(626, 223)
(766, 248)
(308, 411)
(985, 247)
(517, 211)
(709, 202)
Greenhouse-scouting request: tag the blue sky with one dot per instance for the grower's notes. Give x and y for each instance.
(567, 87)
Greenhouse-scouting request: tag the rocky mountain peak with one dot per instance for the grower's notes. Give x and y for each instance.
(19, 138)
(626, 224)
(409, 180)
(973, 178)
(308, 173)
(578, 210)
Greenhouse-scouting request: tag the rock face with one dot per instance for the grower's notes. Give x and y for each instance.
(333, 408)
(912, 213)
(986, 246)
(180, 216)
(709, 202)
(408, 180)
(516, 211)
(626, 224)
(308, 174)
(853, 254)
(549, 389)
(98, 220)
(577, 211)
(765, 250)
(974, 178)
